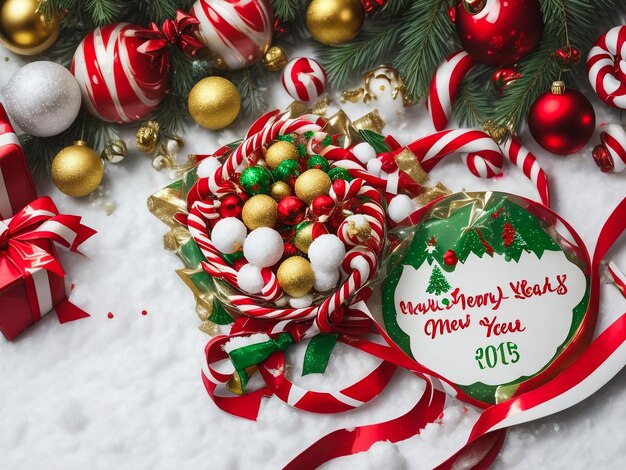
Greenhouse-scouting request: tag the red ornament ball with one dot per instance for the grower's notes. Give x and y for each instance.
(450, 258)
(322, 206)
(562, 120)
(567, 56)
(503, 77)
(499, 32)
(291, 210)
(122, 70)
(231, 206)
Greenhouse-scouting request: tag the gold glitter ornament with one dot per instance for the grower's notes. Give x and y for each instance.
(24, 29)
(279, 152)
(280, 190)
(295, 276)
(115, 151)
(77, 170)
(333, 22)
(259, 211)
(303, 238)
(312, 183)
(147, 137)
(274, 59)
(214, 103)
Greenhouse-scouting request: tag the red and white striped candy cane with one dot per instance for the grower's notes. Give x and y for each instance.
(445, 86)
(527, 162)
(610, 156)
(482, 154)
(606, 67)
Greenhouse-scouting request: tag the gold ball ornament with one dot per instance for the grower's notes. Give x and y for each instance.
(279, 152)
(303, 238)
(147, 137)
(259, 211)
(280, 190)
(77, 170)
(214, 103)
(274, 59)
(333, 22)
(295, 276)
(24, 30)
(312, 183)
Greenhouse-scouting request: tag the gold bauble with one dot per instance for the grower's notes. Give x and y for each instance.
(214, 103)
(259, 211)
(303, 238)
(77, 170)
(274, 59)
(24, 30)
(280, 190)
(312, 183)
(334, 22)
(147, 137)
(279, 152)
(295, 276)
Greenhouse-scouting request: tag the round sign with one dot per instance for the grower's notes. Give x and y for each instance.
(489, 294)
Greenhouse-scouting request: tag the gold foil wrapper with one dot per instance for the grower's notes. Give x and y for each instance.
(204, 300)
(165, 204)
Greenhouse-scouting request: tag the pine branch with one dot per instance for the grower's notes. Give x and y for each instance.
(390, 9)
(289, 10)
(473, 106)
(156, 10)
(426, 33)
(252, 88)
(104, 12)
(347, 62)
(63, 50)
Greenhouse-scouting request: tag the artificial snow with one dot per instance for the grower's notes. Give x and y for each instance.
(126, 392)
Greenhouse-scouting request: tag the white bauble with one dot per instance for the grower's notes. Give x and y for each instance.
(364, 152)
(301, 302)
(325, 280)
(43, 98)
(228, 235)
(326, 252)
(207, 167)
(263, 247)
(250, 279)
(400, 207)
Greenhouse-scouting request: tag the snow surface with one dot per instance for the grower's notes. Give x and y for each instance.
(125, 392)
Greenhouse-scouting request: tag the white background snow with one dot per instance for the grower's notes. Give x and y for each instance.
(126, 392)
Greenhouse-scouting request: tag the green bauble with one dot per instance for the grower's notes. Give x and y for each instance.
(339, 174)
(318, 162)
(256, 180)
(287, 171)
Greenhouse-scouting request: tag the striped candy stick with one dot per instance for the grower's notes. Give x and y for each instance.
(519, 155)
(606, 67)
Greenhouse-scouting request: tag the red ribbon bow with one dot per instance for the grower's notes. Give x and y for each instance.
(40, 220)
(182, 32)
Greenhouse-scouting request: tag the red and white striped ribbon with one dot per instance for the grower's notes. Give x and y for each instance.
(606, 67)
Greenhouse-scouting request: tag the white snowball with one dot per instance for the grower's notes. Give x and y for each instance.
(250, 279)
(326, 280)
(326, 252)
(400, 207)
(374, 166)
(263, 247)
(207, 167)
(364, 152)
(228, 235)
(301, 302)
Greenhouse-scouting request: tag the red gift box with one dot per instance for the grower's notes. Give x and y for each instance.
(16, 184)
(32, 280)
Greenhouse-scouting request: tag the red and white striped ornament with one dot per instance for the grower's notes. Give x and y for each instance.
(606, 67)
(236, 31)
(304, 79)
(122, 70)
(610, 156)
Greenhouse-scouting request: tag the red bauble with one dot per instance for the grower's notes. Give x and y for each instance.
(322, 207)
(562, 123)
(231, 206)
(122, 70)
(291, 210)
(503, 77)
(567, 57)
(502, 32)
(450, 258)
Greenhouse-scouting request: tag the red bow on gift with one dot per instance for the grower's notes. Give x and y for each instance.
(28, 259)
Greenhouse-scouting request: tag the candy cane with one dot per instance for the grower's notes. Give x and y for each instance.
(527, 162)
(610, 155)
(445, 86)
(606, 67)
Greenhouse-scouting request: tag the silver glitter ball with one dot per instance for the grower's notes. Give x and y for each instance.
(43, 98)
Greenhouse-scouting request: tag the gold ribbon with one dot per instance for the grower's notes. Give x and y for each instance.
(166, 203)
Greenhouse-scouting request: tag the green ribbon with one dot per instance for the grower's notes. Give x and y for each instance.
(318, 354)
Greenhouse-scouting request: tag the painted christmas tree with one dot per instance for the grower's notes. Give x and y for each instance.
(438, 284)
